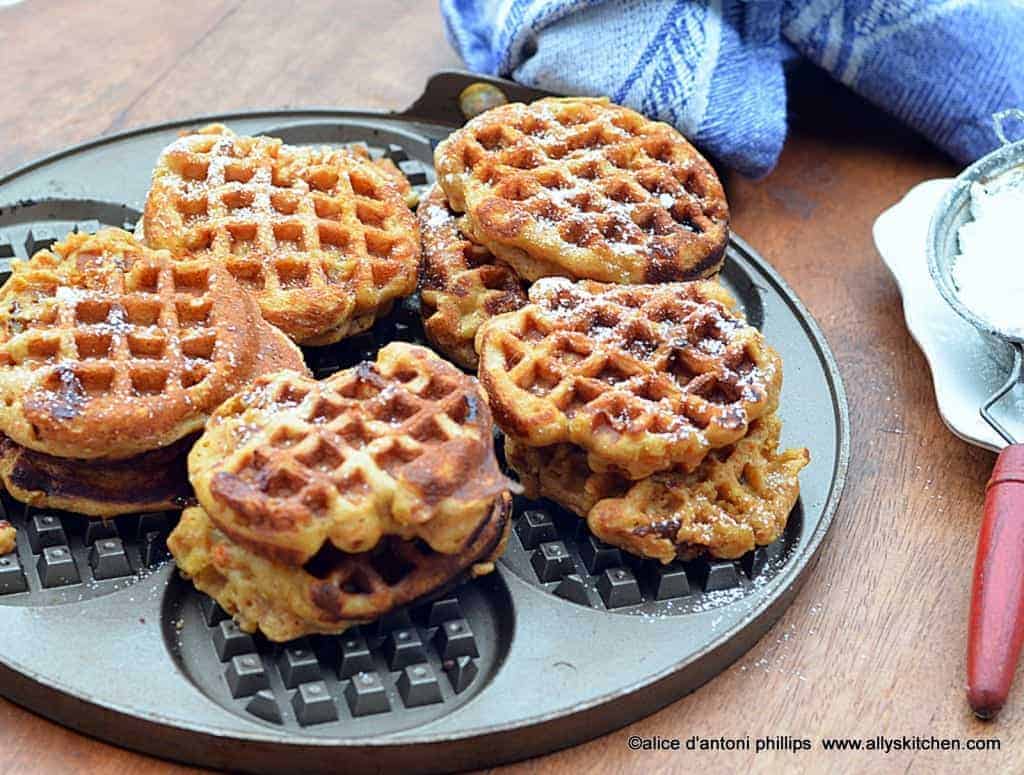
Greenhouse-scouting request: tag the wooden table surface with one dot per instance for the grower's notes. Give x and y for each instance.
(874, 643)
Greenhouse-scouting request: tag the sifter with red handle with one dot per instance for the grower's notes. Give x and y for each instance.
(996, 625)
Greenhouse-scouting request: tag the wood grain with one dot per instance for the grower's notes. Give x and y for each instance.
(875, 642)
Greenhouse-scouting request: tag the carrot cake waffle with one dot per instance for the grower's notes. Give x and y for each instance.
(322, 504)
(461, 283)
(112, 353)
(584, 188)
(644, 378)
(323, 238)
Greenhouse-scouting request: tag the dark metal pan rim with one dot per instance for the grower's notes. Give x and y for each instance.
(96, 142)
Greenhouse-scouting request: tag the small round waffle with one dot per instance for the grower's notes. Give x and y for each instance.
(334, 590)
(739, 498)
(109, 349)
(399, 447)
(587, 188)
(322, 237)
(645, 378)
(461, 283)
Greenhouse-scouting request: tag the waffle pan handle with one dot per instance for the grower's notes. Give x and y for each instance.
(996, 630)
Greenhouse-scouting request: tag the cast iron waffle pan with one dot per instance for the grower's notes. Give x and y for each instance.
(569, 639)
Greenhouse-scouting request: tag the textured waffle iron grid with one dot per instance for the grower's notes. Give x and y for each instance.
(553, 548)
(407, 668)
(62, 557)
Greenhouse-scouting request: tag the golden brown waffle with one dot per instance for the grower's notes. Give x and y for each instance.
(560, 472)
(8, 537)
(109, 349)
(461, 283)
(152, 481)
(334, 590)
(322, 237)
(739, 498)
(399, 447)
(582, 187)
(644, 378)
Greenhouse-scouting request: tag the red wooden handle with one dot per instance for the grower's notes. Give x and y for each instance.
(997, 602)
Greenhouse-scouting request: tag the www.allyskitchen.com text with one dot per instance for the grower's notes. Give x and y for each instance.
(879, 743)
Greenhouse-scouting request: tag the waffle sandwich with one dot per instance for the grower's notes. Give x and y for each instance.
(111, 356)
(461, 283)
(322, 238)
(325, 504)
(643, 378)
(648, 410)
(584, 188)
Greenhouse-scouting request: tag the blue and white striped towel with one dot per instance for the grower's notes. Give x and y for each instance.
(713, 68)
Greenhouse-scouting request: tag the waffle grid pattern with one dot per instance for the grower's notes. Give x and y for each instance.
(325, 223)
(406, 669)
(354, 420)
(642, 377)
(102, 328)
(61, 557)
(147, 331)
(593, 188)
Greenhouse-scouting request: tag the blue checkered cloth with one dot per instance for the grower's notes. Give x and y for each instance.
(714, 68)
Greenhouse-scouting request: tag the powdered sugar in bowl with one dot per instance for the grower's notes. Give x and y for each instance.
(976, 243)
